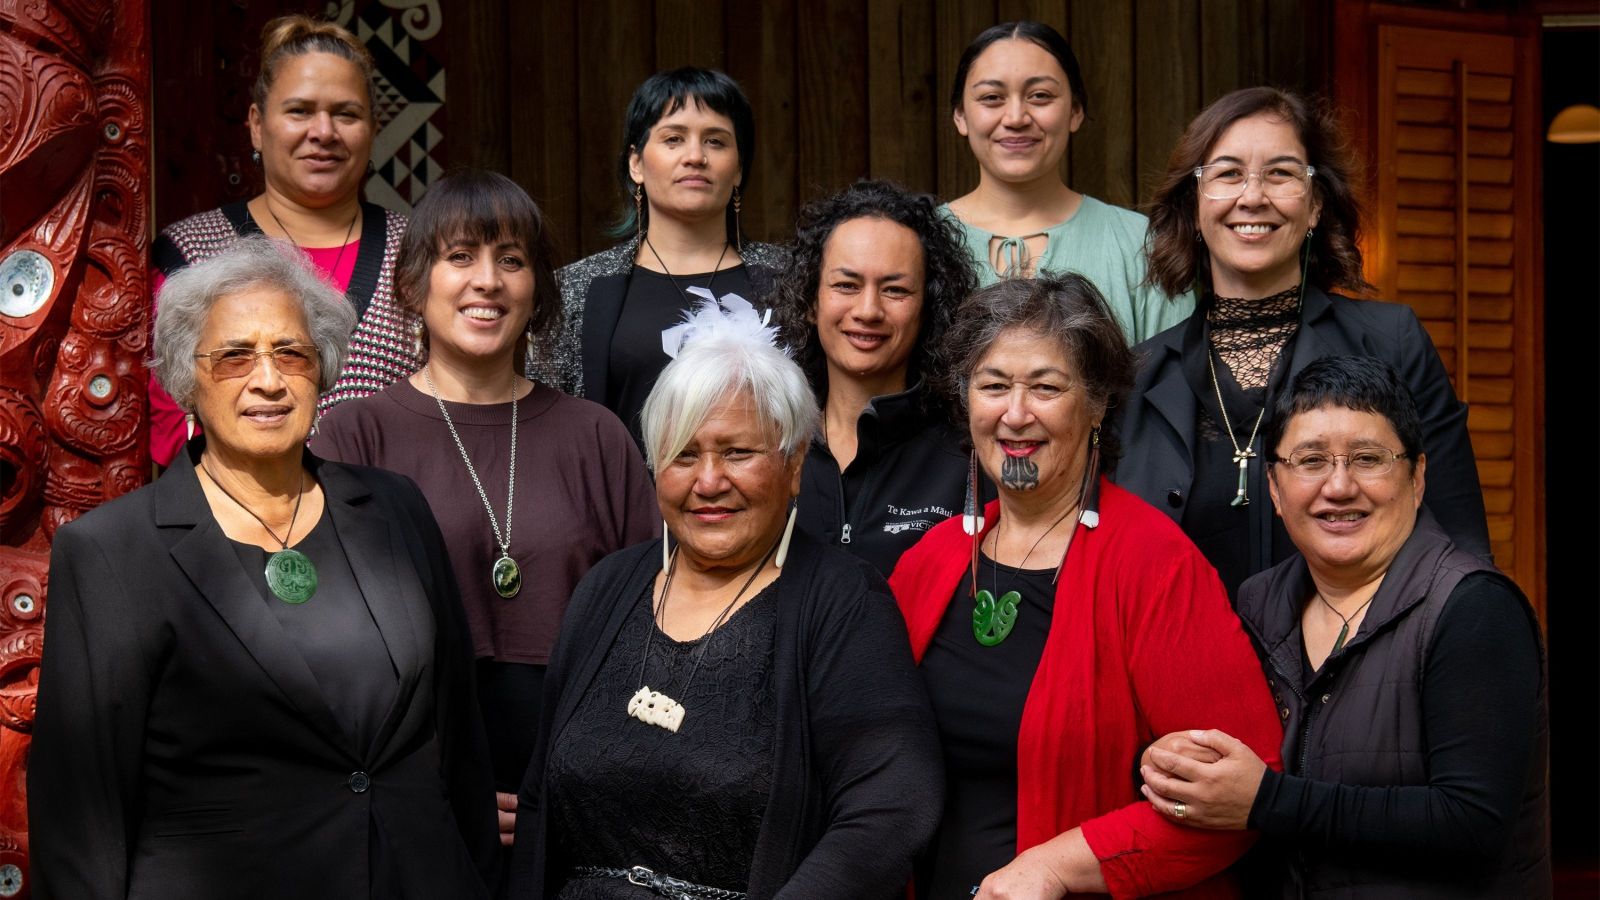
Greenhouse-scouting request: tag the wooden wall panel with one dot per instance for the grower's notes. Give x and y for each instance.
(832, 54)
(956, 23)
(1166, 90)
(545, 148)
(611, 65)
(1101, 153)
(906, 108)
(690, 33)
(761, 56)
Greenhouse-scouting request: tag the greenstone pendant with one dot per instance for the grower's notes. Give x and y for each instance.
(291, 576)
(507, 577)
(992, 624)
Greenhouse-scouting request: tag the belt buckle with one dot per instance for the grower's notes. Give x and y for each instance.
(641, 877)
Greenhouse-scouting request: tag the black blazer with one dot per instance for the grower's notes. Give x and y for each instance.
(1157, 423)
(182, 748)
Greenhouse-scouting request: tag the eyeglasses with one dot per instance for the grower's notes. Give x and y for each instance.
(237, 362)
(1313, 465)
(1280, 181)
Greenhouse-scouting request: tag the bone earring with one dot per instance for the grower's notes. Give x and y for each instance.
(788, 534)
(418, 345)
(188, 427)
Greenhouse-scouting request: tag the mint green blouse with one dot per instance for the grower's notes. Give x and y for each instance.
(1104, 244)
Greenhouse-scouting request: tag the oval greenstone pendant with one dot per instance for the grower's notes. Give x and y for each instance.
(992, 623)
(291, 576)
(507, 577)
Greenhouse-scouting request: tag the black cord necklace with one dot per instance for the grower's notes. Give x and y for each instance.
(655, 707)
(290, 575)
(674, 279)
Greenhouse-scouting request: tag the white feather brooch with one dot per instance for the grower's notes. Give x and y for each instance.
(730, 318)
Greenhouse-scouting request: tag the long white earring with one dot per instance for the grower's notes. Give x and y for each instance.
(788, 534)
(188, 427)
(666, 555)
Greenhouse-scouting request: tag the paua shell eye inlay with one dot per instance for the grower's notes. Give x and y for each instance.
(26, 278)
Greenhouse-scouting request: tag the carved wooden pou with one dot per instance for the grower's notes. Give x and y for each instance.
(74, 319)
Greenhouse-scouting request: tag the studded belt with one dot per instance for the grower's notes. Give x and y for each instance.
(660, 885)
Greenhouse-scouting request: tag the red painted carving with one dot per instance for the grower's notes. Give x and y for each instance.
(74, 302)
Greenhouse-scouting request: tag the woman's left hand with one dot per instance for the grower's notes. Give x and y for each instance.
(1216, 795)
(506, 805)
(1031, 876)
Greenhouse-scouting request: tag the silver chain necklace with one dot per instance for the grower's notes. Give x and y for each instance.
(506, 576)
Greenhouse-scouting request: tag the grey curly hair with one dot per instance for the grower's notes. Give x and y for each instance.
(252, 262)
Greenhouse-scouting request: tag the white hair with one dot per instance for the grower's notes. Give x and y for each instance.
(250, 262)
(722, 358)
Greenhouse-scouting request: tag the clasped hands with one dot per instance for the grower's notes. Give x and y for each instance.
(1213, 774)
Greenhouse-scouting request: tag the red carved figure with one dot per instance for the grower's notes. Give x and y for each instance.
(74, 200)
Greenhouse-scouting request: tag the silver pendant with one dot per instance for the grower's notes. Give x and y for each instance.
(656, 708)
(507, 577)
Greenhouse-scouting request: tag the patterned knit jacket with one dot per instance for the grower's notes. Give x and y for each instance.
(557, 358)
(382, 349)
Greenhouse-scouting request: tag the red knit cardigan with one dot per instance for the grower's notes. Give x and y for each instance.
(1143, 642)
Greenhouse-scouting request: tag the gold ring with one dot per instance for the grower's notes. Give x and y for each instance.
(1180, 810)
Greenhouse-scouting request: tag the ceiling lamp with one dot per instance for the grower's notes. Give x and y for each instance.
(1577, 124)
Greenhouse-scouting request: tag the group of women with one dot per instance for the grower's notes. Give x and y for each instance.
(837, 567)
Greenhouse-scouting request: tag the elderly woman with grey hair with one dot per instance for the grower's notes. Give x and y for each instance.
(732, 711)
(260, 657)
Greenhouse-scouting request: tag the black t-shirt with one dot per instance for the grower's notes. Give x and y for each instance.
(978, 695)
(654, 303)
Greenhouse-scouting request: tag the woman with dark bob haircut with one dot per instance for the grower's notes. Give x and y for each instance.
(688, 147)
(1408, 674)
(1064, 626)
(1258, 213)
(1018, 97)
(876, 275)
(531, 486)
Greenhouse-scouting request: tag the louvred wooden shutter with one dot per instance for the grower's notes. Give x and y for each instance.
(1454, 135)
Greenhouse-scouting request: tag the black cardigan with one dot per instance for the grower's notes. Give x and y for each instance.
(858, 779)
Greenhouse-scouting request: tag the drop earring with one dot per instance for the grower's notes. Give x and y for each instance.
(638, 209)
(527, 337)
(188, 427)
(738, 229)
(788, 534)
(255, 157)
(972, 510)
(418, 345)
(666, 555)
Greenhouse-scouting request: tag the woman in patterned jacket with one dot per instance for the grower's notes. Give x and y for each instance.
(311, 123)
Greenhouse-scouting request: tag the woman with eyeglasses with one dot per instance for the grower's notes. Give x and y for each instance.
(1017, 99)
(1408, 674)
(256, 678)
(1258, 214)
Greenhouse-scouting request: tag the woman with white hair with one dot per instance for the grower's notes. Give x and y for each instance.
(708, 729)
(260, 658)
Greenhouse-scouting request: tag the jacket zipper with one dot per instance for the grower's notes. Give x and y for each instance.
(1311, 713)
(844, 516)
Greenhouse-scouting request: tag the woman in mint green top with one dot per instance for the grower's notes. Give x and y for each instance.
(1018, 97)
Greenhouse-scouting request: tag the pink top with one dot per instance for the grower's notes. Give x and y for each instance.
(166, 418)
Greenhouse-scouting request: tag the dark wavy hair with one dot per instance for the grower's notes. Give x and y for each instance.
(1178, 259)
(1360, 383)
(948, 275)
(1067, 308)
(663, 94)
(476, 206)
(1022, 30)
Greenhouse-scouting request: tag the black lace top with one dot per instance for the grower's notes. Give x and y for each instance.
(686, 804)
(1248, 334)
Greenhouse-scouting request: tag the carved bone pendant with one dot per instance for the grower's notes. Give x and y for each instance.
(656, 708)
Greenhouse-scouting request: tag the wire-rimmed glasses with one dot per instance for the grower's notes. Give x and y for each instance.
(1279, 180)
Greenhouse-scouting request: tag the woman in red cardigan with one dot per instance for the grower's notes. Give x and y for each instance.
(1064, 627)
